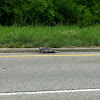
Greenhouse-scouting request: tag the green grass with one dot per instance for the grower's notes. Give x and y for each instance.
(47, 36)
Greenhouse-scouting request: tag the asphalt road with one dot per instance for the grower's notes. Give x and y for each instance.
(34, 72)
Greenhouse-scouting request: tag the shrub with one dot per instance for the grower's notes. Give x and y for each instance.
(49, 12)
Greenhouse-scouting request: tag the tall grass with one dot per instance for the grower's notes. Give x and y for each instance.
(57, 36)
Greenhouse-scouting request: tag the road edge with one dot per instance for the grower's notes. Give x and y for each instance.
(32, 50)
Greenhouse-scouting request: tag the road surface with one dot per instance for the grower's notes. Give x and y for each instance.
(58, 76)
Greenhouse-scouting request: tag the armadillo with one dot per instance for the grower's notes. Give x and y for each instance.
(46, 50)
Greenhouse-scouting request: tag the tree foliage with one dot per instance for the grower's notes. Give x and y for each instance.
(49, 12)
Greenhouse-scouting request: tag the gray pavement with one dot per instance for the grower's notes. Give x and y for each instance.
(22, 74)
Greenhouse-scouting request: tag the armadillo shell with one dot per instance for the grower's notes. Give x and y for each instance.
(46, 50)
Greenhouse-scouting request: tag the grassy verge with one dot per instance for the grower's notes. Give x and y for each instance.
(58, 36)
